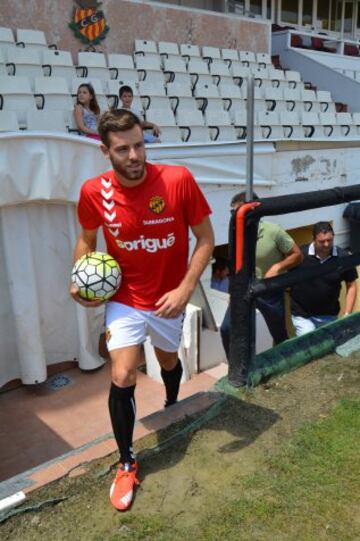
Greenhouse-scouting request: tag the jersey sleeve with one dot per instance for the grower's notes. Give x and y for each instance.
(86, 210)
(196, 207)
(284, 242)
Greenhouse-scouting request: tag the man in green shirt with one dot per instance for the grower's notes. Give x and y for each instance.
(276, 252)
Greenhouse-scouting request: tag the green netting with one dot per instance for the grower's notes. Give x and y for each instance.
(298, 351)
(303, 349)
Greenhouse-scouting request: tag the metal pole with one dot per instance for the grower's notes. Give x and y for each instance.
(250, 139)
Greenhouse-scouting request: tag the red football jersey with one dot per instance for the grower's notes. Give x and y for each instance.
(145, 228)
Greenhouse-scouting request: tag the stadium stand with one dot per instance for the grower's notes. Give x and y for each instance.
(194, 94)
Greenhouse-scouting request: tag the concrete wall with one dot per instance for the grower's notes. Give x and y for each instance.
(131, 19)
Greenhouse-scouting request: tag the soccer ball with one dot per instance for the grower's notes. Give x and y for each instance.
(97, 275)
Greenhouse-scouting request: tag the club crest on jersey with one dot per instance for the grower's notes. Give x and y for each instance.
(157, 204)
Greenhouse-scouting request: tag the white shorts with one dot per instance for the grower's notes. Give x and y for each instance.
(127, 326)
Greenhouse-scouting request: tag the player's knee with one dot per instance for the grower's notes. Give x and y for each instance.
(123, 377)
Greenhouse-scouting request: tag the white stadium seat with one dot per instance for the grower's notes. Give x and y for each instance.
(8, 121)
(53, 121)
(24, 63)
(211, 53)
(324, 99)
(168, 49)
(188, 50)
(59, 64)
(230, 55)
(52, 93)
(293, 78)
(248, 58)
(7, 39)
(31, 38)
(16, 95)
(263, 59)
(291, 125)
(93, 65)
(145, 46)
(221, 128)
(270, 125)
(121, 66)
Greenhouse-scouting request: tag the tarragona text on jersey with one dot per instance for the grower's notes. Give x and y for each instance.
(146, 228)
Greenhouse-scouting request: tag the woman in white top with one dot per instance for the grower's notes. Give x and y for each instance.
(87, 111)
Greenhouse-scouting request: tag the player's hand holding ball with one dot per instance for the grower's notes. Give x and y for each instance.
(95, 278)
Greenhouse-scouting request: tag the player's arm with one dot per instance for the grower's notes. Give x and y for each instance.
(151, 126)
(292, 259)
(85, 244)
(173, 303)
(351, 294)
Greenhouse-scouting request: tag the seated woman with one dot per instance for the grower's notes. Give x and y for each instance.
(87, 111)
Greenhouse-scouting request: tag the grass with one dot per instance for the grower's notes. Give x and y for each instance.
(309, 491)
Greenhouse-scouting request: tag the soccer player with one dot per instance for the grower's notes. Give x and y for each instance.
(145, 211)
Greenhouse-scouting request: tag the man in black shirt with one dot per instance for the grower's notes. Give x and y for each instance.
(316, 302)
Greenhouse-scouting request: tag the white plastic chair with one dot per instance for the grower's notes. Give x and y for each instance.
(248, 58)
(174, 66)
(145, 46)
(230, 55)
(24, 63)
(187, 50)
(274, 99)
(93, 65)
(293, 78)
(291, 125)
(53, 93)
(326, 104)
(220, 72)
(8, 121)
(50, 121)
(270, 125)
(311, 125)
(168, 49)
(34, 39)
(221, 128)
(7, 39)
(263, 59)
(58, 64)
(16, 95)
(210, 54)
(121, 66)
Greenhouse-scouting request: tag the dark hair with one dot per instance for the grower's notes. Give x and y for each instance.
(240, 197)
(117, 120)
(125, 88)
(94, 106)
(220, 263)
(322, 227)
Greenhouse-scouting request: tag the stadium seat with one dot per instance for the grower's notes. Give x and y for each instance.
(230, 55)
(52, 93)
(145, 46)
(153, 94)
(121, 66)
(164, 118)
(247, 58)
(179, 90)
(58, 64)
(311, 125)
(346, 124)
(221, 128)
(240, 72)
(16, 95)
(323, 97)
(274, 99)
(310, 101)
(149, 69)
(277, 77)
(263, 59)
(356, 124)
(232, 97)
(293, 99)
(261, 77)
(291, 125)
(219, 70)
(52, 121)
(32, 39)
(174, 66)
(168, 49)
(293, 78)
(211, 53)
(270, 125)
(330, 126)
(240, 123)
(187, 50)
(24, 63)
(8, 121)
(208, 97)
(7, 39)
(93, 65)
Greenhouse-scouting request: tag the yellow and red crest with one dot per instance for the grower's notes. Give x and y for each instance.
(89, 24)
(157, 204)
